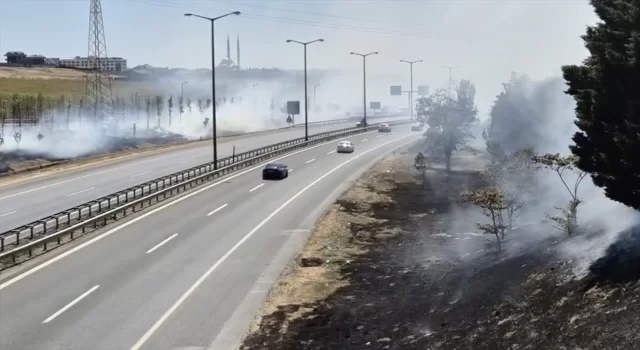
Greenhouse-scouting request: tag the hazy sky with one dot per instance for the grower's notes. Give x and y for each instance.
(486, 39)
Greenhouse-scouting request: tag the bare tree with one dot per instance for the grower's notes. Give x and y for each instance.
(148, 112)
(181, 107)
(159, 106)
(170, 108)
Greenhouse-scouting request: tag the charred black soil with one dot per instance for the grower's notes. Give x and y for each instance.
(416, 289)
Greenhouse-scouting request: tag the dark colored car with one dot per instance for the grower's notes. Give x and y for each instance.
(275, 171)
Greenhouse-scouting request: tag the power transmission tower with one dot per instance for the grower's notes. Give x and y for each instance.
(98, 92)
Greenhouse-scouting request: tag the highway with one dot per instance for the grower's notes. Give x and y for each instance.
(188, 274)
(27, 201)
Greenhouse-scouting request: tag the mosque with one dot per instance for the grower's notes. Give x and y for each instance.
(227, 62)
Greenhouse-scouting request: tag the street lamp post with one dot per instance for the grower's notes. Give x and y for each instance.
(314, 97)
(411, 87)
(364, 82)
(213, 80)
(306, 108)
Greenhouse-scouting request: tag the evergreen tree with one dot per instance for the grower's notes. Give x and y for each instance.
(606, 88)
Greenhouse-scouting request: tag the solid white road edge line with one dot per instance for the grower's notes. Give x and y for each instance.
(309, 161)
(191, 289)
(161, 243)
(75, 301)
(9, 213)
(145, 173)
(85, 190)
(145, 215)
(216, 210)
(255, 188)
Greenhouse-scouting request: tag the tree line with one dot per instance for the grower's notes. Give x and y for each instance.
(25, 110)
(605, 89)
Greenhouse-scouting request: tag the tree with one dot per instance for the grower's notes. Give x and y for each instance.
(449, 119)
(523, 113)
(200, 106)
(513, 176)
(567, 220)
(207, 103)
(422, 164)
(189, 104)
(491, 201)
(606, 88)
(148, 112)
(159, 106)
(181, 107)
(170, 108)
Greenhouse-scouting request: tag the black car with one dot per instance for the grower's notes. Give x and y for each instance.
(275, 171)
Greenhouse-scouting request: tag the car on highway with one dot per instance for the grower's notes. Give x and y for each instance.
(275, 171)
(345, 147)
(416, 127)
(384, 127)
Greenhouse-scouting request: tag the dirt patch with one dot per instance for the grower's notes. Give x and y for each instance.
(399, 271)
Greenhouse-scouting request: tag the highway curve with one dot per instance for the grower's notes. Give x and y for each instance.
(27, 201)
(188, 274)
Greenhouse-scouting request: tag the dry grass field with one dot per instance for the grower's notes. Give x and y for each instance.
(57, 81)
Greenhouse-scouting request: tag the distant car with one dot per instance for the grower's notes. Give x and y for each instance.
(416, 127)
(275, 171)
(384, 127)
(361, 124)
(345, 147)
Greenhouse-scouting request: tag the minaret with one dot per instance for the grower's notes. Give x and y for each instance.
(228, 49)
(238, 51)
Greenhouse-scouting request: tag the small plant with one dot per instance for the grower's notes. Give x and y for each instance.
(205, 122)
(40, 136)
(491, 201)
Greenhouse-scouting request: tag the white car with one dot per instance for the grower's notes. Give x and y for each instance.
(384, 127)
(345, 147)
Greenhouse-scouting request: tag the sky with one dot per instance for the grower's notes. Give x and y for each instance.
(486, 40)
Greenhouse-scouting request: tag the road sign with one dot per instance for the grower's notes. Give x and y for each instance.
(374, 105)
(396, 90)
(293, 107)
(423, 90)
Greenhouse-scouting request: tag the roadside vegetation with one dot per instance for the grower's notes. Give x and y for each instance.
(530, 242)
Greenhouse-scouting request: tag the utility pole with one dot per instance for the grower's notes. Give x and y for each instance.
(450, 80)
(306, 99)
(411, 86)
(213, 80)
(98, 89)
(364, 83)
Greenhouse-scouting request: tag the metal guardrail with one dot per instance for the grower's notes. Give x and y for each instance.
(100, 212)
(344, 120)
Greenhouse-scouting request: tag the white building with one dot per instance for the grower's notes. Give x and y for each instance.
(111, 64)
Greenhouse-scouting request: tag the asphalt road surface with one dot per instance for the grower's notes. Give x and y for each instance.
(34, 199)
(188, 274)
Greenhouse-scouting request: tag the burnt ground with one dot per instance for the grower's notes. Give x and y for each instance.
(385, 269)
